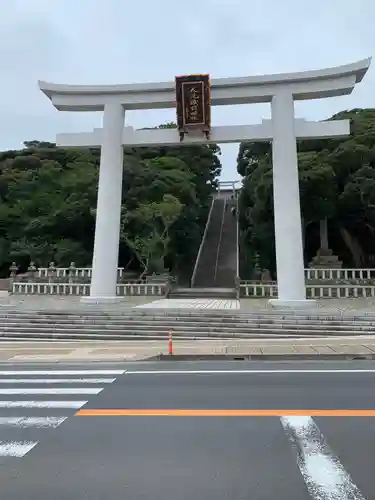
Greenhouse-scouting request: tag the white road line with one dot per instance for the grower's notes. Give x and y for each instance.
(42, 404)
(57, 380)
(25, 422)
(61, 372)
(234, 372)
(65, 390)
(16, 448)
(324, 475)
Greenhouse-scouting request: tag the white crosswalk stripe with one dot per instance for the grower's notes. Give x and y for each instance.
(60, 383)
(57, 380)
(74, 405)
(323, 473)
(60, 372)
(16, 448)
(58, 390)
(32, 421)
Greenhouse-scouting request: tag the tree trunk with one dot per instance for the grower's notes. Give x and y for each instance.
(323, 228)
(303, 229)
(305, 225)
(354, 247)
(128, 264)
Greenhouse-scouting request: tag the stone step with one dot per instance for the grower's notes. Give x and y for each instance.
(81, 336)
(196, 313)
(140, 331)
(74, 336)
(180, 320)
(226, 296)
(200, 317)
(187, 325)
(69, 337)
(169, 322)
(207, 293)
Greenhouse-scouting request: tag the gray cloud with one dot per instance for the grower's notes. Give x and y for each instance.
(97, 41)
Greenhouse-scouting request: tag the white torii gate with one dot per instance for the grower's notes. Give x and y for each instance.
(226, 186)
(281, 90)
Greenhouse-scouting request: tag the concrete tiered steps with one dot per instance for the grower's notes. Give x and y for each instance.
(185, 324)
(227, 252)
(204, 293)
(206, 267)
(217, 264)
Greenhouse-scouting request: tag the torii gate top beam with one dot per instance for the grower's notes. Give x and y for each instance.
(314, 84)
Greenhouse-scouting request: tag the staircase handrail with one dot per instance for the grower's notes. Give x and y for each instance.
(238, 280)
(202, 242)
(238, 241)
(220, 238)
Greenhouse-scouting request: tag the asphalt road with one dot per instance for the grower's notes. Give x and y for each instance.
(53, 446)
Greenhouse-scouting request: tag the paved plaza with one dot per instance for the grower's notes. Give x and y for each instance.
(192, 304)
(70, 303)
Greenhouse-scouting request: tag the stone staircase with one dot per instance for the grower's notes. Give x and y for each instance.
(226, 267)
(185, 324)
(206, 268)
(216, 269)
(202, 293)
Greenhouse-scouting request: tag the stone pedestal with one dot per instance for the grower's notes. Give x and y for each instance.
(88, 299)
(293, 304)
(325, 259)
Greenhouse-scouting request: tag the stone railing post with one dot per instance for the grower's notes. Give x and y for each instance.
(238, 287)
(257, 271)
(72, 272)
(266, 276)
(13, 270)
(12, 275)
(31, 272)
(52, 272)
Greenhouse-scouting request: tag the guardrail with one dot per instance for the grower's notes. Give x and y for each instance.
(123, 289)
(202, 242)
(238, 242)
(238, 280)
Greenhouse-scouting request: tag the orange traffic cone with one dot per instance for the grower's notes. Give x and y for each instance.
(170, 344)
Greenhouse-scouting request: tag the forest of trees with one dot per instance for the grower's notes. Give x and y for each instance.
(337, 185)
(48, 199)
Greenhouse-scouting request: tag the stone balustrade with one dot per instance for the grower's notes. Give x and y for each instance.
(318, 291)
(123, 289)
(72, 280)
(76, 272)
(66, 272)
(311, 274)
(340, 274)
(247, 290)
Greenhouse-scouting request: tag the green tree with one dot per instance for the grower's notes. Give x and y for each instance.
(48, 199)
(336, 186)
(147, 231)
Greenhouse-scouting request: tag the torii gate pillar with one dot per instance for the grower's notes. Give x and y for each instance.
(108, 211)
(286, 201)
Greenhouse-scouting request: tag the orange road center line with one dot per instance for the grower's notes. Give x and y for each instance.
(222, 413)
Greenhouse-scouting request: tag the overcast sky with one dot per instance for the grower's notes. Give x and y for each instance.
(125, 41)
